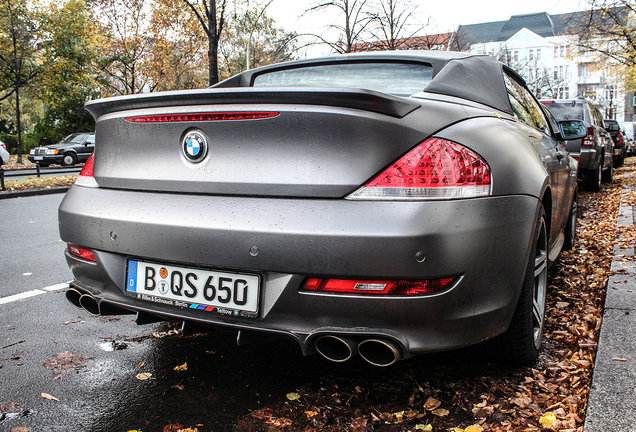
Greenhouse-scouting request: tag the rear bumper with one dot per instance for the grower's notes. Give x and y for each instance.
(483, 241)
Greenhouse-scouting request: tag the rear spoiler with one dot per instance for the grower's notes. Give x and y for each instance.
(367, 100)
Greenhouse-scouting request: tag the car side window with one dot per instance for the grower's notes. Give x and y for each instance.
(525, 106)
(90, 139)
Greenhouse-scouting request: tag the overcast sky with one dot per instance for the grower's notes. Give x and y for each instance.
(446, 14)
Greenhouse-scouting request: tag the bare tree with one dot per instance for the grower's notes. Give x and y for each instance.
(354, 23)
(605, 28)
(392, 24)
(460, 40)
(211, 16)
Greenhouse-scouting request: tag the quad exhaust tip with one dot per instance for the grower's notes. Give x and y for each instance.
(376, 351)
(84, 300)
(336, 348)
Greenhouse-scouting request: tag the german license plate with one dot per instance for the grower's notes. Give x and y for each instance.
(193, 287)
(38, 157)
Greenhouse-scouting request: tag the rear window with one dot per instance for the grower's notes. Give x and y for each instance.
(392, 78)
(565, 110)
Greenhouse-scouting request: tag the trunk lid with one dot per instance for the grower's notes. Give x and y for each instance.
(316, 143)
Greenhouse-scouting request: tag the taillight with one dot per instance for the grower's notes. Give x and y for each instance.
(85, 177)
(379, 287)
(588, 141)
(199, 117)
(81, 252)
(435, 169)
(619, 140)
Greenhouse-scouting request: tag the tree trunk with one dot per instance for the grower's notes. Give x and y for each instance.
(18, 123)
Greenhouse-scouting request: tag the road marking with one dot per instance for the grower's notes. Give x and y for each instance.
(32, 293)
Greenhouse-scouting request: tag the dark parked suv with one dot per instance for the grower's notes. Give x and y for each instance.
(74, 148)
(620, 143)
(596, 150)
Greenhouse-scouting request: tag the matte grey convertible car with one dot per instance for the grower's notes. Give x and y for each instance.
(381, 204)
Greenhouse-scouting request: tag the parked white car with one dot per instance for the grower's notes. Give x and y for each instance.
(4, 154)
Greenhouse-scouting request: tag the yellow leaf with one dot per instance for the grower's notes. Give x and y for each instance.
(49, 397)
(143, 376)
(547, 419)
(425, 428)
(456, 429)
(474, 428)
(293, 396)
(311, 413)
(440, 412)
(182, 367)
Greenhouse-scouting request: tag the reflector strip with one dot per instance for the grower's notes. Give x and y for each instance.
(199, 117)
(379, 287)
(81, 253)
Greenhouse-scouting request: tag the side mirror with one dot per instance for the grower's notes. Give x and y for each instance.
(572, 129)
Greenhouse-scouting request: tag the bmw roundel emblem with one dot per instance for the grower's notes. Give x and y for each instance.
(194, 146)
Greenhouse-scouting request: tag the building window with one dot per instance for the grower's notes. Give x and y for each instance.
(538, 54)
(556, 72)
(567, 72)
(562, 51)
(556, 51)
(515, 56)
(531, 54)
(561, 72)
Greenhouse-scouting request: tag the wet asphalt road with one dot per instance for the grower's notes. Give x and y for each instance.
(49, 347)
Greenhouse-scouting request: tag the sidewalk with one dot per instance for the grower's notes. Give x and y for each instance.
(612, 403)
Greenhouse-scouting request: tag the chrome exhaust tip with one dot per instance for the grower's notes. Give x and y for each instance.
(379, 352)
(89, 303)
(336, 348)
(73, 296)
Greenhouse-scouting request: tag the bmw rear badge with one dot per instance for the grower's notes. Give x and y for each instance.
(194, 146)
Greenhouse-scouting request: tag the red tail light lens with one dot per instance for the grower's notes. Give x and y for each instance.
(379, 287)
(435, 169)
(81, 253)
(619, 140)
(588, 141)
(199, 117)
(85, 177)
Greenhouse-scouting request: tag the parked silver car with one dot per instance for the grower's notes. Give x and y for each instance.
(595, 151)
(380, 204)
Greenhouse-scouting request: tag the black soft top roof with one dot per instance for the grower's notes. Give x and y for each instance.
(475, 77)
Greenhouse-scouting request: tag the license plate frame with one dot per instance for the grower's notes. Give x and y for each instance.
(38, 158)
(220, 291)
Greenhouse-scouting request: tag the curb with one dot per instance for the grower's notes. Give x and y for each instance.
(33, 192)
(612, 397)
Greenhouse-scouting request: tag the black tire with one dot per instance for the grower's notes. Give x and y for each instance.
(608, 174)
(593, 179)
(570, 227)
(69, 159)
(520, 344)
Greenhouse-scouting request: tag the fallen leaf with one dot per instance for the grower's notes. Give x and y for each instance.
(183, 367)
(141, 364)
(279, 422)
(424, 427)
(311, 413)
(431, 404)
(474, 428)
(49, 397)
(293, 396)
(20, 429)
(440, 412)
(176, 427)
(547, 419)
(143, 376)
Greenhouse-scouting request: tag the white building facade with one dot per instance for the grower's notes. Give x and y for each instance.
(540, 49)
